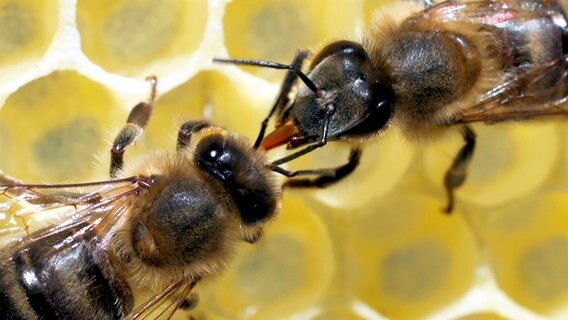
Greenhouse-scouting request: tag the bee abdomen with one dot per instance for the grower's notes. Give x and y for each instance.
(68, 284)
(536, 43)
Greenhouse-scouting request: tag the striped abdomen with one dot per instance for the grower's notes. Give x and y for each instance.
(75, 283)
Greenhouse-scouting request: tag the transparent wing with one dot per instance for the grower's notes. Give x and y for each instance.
(164, 304)
(85, 211)
(523, 97)
(489, 12)
(30, 213)
(535, 91)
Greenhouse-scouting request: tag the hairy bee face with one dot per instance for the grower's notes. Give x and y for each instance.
(361, 97)
(243, 177)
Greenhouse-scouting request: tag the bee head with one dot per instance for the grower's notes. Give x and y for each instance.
(361, 96)
(242, 172)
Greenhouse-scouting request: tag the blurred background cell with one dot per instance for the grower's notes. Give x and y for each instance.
(276, 29)
(410, 259)
(139, 37)
(528, 251)
(28, 28)
(55, 123)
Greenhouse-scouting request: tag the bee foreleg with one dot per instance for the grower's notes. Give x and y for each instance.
(457, 173)
(135, 124)
(326, 177)
(283, 97)
(186, 130)
(330, 110)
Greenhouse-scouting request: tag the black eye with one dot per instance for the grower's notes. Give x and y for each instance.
(214, 156)
(362, 77)
(339, 48)
(220, 156)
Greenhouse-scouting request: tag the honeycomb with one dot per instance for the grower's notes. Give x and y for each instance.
(375, 246)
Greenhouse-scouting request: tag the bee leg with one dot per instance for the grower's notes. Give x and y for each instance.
(457, 173)
(325, 177)
(186, 130)
(283, 97)
(329, 111)
(135, 124)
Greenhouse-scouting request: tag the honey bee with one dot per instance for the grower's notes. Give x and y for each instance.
(424, 68)
(160, 226)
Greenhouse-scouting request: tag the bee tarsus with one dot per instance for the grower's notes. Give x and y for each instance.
(135, 124)
(457, 173)
(327, 177)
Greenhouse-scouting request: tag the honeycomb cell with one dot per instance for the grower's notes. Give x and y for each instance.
(543, 259)
(50, 133)
(28, 27)
(384, 163)
(529, 251)
(66, 145)
(275, 29)
(509, 161)
(141, 37)
(285, 273)
(400, 269)
(410, 259)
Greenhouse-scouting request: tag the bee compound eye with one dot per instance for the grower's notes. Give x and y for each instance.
(213, 153)
(209, 150)
(218, 157)
(339, 48)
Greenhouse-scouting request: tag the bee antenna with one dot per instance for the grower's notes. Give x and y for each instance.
(274, 65)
